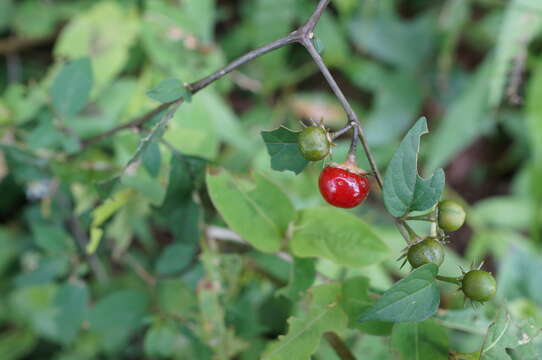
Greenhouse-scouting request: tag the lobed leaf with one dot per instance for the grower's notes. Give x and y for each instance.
(404, 190)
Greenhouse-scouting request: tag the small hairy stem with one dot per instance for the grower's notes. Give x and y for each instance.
(450, 279)
(342, 131)
(339, 346)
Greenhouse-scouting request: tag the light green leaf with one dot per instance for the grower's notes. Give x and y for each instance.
(337, 236)
(404, 190)
(519, 27)
(105, 33)
(169, 90)
(284, 150)
(414, 298)
(259, 212)
(420, 341)
(304, 332)
(71, 87)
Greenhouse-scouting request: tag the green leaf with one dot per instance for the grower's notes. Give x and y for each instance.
(304, 332)
(284, 151)
(17, 343)
(516, 32)
(71, 87)
(174, 258)
(35, 305)
(420, 340)
(337, 236)
(115, 317)
(259, 212)
(169, 90)
(52, 238)
(404, 190)
(176, 298)
(160, 339)
(414, 298)
(355, 300)
(152, 159)
(302, 275)
(105, 33)
(71, 301)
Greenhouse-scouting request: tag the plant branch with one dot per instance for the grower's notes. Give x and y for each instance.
(449, 279)
(339, 346)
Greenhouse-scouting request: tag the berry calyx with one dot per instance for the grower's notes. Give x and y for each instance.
(426, 251)
(451, 215)
(479, 285)
(314, 143)
(343, 185)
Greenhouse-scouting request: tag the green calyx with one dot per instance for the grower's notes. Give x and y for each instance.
(451, 215)
(426, 251)
(314, 143)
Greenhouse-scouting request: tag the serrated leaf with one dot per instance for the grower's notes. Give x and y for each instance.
(414, 298)
(71, 87)
(420, 340)
(337, 236)
(169, 90)
(284, 151)
(304, 333)
(260, 213)
(404, 190)
(302, 275)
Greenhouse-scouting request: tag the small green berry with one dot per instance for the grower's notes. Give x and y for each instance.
(314, 143)
(479, 285)
(427, 251)
(451, 215)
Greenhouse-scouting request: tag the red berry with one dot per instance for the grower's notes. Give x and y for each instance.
(343, 188)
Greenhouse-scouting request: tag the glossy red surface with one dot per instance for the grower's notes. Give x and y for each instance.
(343, 188)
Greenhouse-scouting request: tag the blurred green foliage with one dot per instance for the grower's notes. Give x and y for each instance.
(170, 277)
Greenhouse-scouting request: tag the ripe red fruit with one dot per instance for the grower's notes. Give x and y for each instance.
(343, 188)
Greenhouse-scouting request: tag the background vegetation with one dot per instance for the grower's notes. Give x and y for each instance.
(169, 279)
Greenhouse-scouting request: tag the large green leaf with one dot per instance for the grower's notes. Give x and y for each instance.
(71, 301)
(260, 213)
(337, 236)
(304, 332)
(71, 87)
(105, 33)
(420, 340)
(115, 317)
(414, 298)
(404, 190)
(284, 150)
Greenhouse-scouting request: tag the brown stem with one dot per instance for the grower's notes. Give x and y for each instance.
(339, 346)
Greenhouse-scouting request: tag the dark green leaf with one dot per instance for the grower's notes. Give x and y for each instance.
(71, 87)
(302, 275)
(71, 301)
(284, 151)
(169, 90)
(414, 298)
(404, 190)
(174, 258)
(152, 159)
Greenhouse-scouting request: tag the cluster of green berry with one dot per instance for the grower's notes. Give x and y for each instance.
(345, 185)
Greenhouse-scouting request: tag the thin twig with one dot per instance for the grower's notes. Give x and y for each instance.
(16, 44)
(339, 346)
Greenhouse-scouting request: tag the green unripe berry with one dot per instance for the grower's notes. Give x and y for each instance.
(451, 215)
(427, 251)
(314, 143)
(479, 285)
